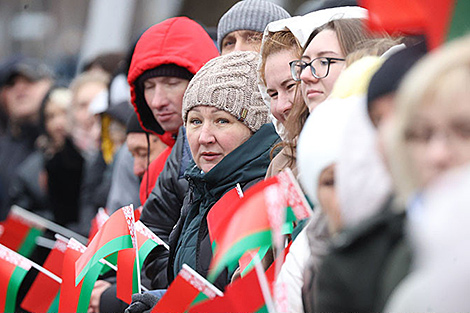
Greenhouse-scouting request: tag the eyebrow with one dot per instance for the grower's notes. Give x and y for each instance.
(320, 54)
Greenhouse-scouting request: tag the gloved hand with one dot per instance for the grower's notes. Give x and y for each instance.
(142, 303)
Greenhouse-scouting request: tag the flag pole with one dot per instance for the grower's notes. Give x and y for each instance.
(132, 230)
(34, 218)
(263, 283)
(37, 266)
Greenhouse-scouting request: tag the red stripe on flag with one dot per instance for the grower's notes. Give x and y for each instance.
(115, 228)
(44, 289)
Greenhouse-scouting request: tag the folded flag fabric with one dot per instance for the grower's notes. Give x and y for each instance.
(438, 20)
(44, 290)
(259, 217)
(184, 290)
(116, 234)
(97, 222)
(76, 298)
(127, 275)
(13, 269)
(20, 234)
(243, 295)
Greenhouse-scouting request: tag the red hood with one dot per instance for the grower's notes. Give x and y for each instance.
(177, 40)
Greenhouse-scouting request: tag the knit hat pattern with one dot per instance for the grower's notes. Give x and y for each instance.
(252, 15)
(229, 83)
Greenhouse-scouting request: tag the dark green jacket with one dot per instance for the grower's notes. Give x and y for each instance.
(246, 165)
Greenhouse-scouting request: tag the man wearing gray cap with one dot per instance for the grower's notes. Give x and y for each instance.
(242, 26)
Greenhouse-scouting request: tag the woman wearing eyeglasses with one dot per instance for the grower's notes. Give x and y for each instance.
(323, 58)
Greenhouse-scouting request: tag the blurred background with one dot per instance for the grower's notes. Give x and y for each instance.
(65, 34)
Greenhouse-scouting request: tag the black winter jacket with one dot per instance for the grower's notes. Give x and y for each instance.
(162, 209)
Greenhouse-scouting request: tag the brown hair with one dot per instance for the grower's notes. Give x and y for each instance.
(350, 31)
(274, 43)
(351, 37)
(374, 47)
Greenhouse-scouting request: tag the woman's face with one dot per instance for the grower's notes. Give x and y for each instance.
(213, 134)
(326, 193)
(438, 138)
(56, 122)
(316, 90)
(279, 83)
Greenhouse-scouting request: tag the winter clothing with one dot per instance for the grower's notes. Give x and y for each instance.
(281, 161)
(14, 149)
(437, 231)
(124, 188)
(249, 15)
(390, 74)
(179, 41)
(228, 83)
(189, 241)
(162, 209)
(355, 275)
(320, 142)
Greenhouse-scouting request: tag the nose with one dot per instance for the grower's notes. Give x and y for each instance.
(139, 167)
(242, 45)
(285, 103)
(439, 153)
(206, 136)
(159, 98)
(307, 76)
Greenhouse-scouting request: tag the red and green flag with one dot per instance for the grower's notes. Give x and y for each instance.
(243, 295)
(13, 269)
(117, 233)
(248, 229)
(128, 269)
(438, 20)
(20, 234)
(97, 222)
(43, 293)
(76, 298)
(187, 288)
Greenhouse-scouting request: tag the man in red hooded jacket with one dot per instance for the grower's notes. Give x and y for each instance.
(165, 59)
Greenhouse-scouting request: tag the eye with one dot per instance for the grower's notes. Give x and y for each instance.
(223, 121)
(324, 62)
(273, 95)
(148, 85)
(228, 42)
(195, 121)
(291, 86)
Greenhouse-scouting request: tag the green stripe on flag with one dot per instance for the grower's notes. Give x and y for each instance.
(263, 309)
(112, 258)
(231, 257)
(144, 250)
(119, 243)
(12, 291)
(29, 243)
(87, 287)
(261, 253)
(54, 308)
(199, 298)
(459, 25)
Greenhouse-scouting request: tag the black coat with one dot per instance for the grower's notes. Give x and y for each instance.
(365, 264)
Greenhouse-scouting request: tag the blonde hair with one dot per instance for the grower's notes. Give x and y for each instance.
(89, 77)
(436, 79)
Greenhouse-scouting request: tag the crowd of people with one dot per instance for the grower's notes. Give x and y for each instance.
(373, 126)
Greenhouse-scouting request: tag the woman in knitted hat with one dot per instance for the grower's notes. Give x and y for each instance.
(230, 142)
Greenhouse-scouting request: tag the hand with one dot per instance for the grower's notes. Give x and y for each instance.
(98, 289)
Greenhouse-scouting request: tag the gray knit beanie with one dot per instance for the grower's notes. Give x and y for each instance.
(229, 83)
(252, 15)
